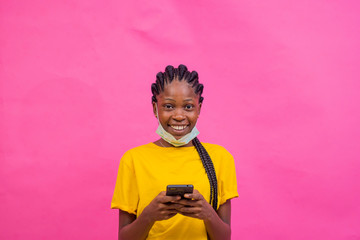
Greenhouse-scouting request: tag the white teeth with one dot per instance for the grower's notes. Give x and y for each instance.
(178, 127)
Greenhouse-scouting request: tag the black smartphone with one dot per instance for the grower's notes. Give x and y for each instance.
(179, 190)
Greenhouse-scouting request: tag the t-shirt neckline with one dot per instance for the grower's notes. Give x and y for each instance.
(171, 148)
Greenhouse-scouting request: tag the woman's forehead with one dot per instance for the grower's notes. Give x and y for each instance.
(178, 89)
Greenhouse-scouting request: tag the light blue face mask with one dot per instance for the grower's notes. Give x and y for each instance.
(171, 139)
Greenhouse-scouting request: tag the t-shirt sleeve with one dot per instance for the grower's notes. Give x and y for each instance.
(126, 194)
(227, 178)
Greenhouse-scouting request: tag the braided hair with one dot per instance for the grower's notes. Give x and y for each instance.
(182, 74)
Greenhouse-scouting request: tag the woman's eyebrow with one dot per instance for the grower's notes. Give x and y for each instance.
(170, 99)
(188, 100)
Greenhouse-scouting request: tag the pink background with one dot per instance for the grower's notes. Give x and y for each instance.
(281, 94)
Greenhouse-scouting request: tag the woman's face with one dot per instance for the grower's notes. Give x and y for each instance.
(178, 107)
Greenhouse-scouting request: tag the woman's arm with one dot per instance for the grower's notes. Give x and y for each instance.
(132, 228)
(217, 223)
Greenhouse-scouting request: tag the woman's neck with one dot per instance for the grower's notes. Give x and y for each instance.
(162, 143)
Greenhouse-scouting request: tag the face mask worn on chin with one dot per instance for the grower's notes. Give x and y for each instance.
(172, 140)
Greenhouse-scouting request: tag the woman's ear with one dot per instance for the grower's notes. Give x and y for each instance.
(200, 104)
(155, 109)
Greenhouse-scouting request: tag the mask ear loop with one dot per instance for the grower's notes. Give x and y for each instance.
(157, 112)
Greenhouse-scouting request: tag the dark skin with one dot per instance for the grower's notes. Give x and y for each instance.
(178, 109)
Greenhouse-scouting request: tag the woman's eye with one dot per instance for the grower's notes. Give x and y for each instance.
(168, 106)
(188, 107)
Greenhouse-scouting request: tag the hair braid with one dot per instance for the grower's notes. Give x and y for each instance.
(210, 171)
(181, 74)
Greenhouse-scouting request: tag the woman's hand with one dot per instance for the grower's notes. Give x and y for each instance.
(162, 207)
(217, 223)
(195, 205)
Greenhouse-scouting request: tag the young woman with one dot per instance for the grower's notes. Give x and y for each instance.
(178, 157)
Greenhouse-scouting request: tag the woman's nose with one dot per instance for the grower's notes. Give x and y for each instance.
(179, 115)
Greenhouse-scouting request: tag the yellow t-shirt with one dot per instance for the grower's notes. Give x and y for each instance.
(146, 170)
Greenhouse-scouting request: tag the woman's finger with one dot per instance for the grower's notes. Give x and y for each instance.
(173, 205)
(194, 196)
(190, 210)
(168, 199)
(187, 202)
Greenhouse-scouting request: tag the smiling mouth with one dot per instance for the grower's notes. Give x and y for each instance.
(178, 128)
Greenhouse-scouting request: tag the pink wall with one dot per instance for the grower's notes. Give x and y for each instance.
(281, 93)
